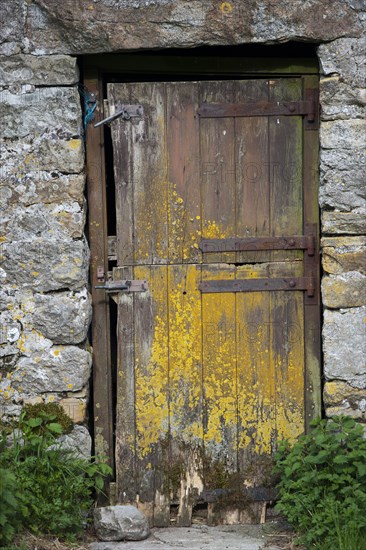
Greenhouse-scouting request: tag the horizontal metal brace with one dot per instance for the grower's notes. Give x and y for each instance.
(258, 108)
(125, 285)
(258, 285)
(125, 111)
(233, 244)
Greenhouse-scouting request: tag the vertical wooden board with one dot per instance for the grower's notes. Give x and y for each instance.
(255, 377)
(97, 229)
(123, 162)
(285, 153)
(287, 362)
(125, 406)
(185, 387)
(151, 391)
(218, 181)
(184, 197)
(219, 379)
(312, 310)
(185, 353)
(252, 171)
(149, 174)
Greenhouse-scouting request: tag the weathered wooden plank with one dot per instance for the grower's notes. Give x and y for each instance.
(102, 383)
(287, 363)
(151, 393)
(148, 159)
(252, 169)
(218, 179)
(184, 193)
(151, 182)
(312, 309)
(123, 157)
(219, 382)
(185, 389)
(255, 378)
(126, 473)
(285, 153)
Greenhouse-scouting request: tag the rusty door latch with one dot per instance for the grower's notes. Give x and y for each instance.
(126, 112)
(124, 286)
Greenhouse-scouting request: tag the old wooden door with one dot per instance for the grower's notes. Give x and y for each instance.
(216, 211)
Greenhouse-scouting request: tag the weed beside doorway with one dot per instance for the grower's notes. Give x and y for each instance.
(322, 489)
(45, 488)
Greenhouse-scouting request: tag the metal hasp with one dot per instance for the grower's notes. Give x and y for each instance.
(125, 285)
(305, 242)
(126, 112)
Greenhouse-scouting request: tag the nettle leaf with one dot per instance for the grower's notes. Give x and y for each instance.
(322, 480)
(34, 422)
(55, 428)
(340, 459)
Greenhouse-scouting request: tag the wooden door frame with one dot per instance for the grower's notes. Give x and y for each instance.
(96, 70)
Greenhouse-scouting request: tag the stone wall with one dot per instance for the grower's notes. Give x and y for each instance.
(45, 306)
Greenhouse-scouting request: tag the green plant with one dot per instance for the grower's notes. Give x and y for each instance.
(45, 411)
(9, 506)
(54, 486)
(322, 488)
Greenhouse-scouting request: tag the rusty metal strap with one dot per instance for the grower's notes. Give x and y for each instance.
(258, 108)
(302, 242)
(259, 285)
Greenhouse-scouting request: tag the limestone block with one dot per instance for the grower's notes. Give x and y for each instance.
(342, 134)
(338, 223)
(336, 392)
(78, 442)
(344, 339)
(341, 254)
(74, 26)
(50, 222)
(342, 178)
(74, 408)
(126, 522)
(11, 26)
(39, 70)
(53, 151)
(44, 265)
(58, 369)
(40, 111)
(64, 317)
(10, 332)
(344, 56)
(43, 187)
(341, 101)
(345, 409)
(346, 290)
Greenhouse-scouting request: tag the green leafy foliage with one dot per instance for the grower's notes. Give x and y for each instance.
(10, 517)
(322, 486)
(50, 489)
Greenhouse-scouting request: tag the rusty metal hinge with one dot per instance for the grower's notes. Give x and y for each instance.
(259, 285)
(246, 244)
(308, 107)
(125, 286)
